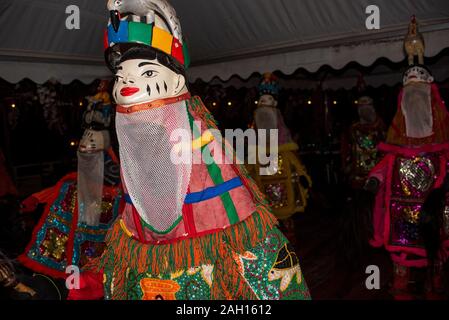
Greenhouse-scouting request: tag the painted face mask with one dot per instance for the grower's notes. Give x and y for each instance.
(139, 81)
(267, 101)
(156, 185)
(417, 109)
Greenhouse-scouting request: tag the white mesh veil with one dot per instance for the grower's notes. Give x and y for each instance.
(156, 186)
(417, 110)
(267, 118)
(90, 187)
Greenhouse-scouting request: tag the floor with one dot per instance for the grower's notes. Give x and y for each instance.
(333, 256)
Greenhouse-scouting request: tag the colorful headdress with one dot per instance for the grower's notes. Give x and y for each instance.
(149, 24)
(269, 85)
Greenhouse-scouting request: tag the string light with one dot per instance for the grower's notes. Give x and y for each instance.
(256, 102)
(13, 105)
(356, 102)
(81, 104)
(335, 101)
(309, 102)
(72, 143)
(229, 103)
(214, 104)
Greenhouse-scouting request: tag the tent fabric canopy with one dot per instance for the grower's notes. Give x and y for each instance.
(225, 38)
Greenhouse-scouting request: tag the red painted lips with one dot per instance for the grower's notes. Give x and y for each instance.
(129, 91)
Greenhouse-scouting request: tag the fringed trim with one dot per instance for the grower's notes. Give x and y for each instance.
(123, 252)
(228, 283)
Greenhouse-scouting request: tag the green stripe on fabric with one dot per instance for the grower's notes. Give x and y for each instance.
(170, 229)
(217, 178)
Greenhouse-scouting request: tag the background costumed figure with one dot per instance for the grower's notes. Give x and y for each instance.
(359, 148)
(81, 207)
(359, 155)
(287, 187)
(411, 216)
(189, 229)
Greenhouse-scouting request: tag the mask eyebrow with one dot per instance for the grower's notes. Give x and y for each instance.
(147, 63)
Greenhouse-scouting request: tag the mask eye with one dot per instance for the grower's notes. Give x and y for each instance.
(117, 78)
(149, 74)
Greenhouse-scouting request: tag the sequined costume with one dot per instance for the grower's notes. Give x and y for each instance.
(82, 206)
(409, 171)
(360, 153)
(60, 239)
(287, 187)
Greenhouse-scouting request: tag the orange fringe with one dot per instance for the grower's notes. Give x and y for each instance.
(123, 252)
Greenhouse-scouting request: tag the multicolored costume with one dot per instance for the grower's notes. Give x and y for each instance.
(189, 230)
(359, 148)
(415, 163)
(287, 187)
(79, 209)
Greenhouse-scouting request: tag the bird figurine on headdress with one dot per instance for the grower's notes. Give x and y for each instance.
(160, 8)
(414, 43)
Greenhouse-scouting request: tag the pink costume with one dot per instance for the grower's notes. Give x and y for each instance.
(409, 171)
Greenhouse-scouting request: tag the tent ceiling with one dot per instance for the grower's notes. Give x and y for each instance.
(383, 72)
(225, 37)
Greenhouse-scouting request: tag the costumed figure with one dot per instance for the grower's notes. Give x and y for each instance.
(359, 148)
(81, 207)
(287, 187)
(189, 229)
(411, 214)
(99, 110)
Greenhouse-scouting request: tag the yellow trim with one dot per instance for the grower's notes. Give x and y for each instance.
(205, 139)
(288, 147)
(125, 229)
(291, 146)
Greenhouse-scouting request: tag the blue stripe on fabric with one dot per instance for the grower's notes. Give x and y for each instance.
(206, 194)
(213, 192)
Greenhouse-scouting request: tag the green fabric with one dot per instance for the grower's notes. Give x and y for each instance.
(256, 267)
(140, 32)
(170, 229)
(185, 51)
